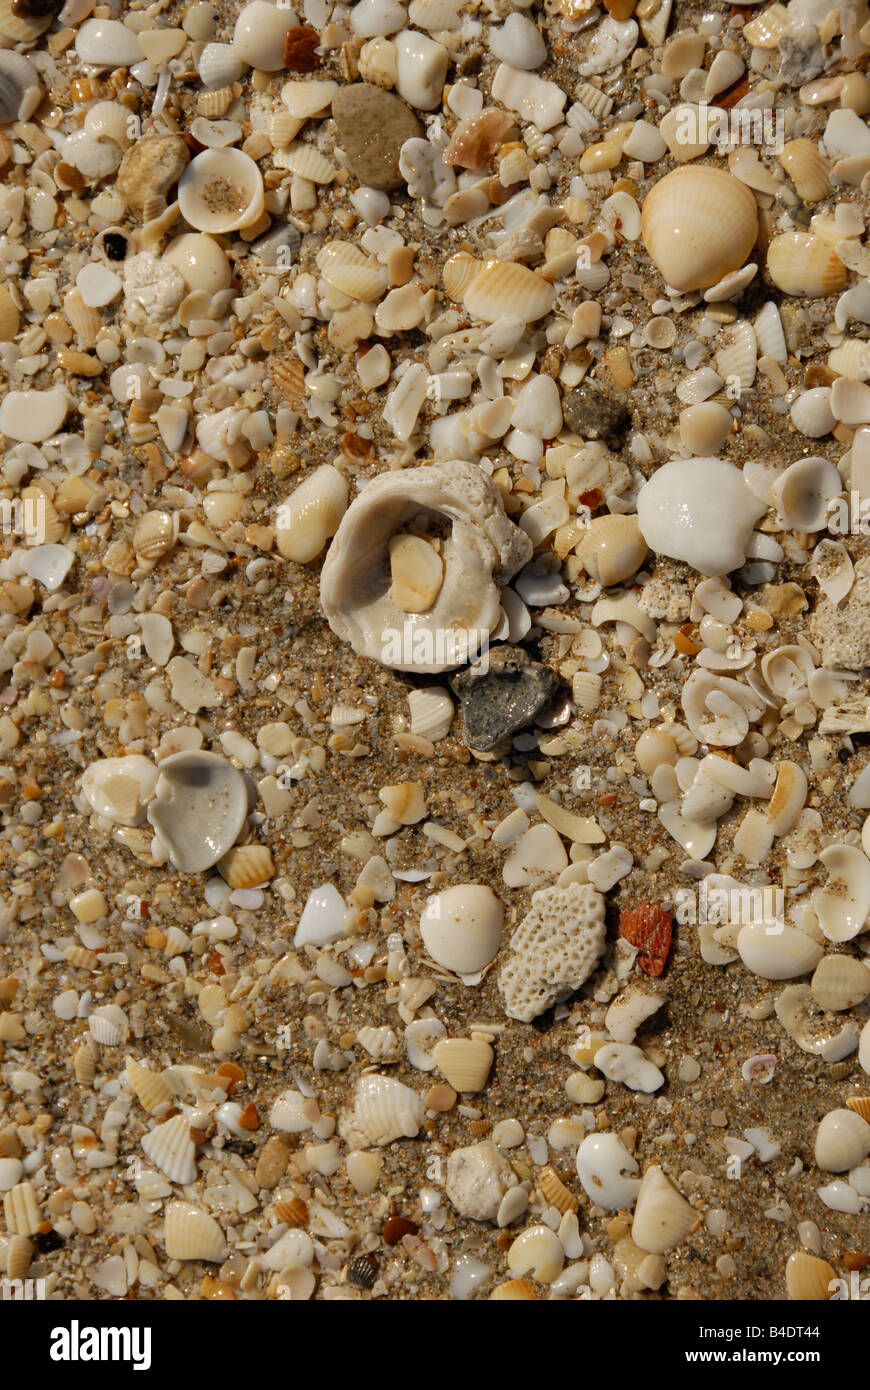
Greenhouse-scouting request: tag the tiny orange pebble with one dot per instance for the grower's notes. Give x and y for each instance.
(249, 1119)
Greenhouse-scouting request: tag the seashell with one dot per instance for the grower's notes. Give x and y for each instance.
(464, 1062)
(221, 191)
(537, 1251)
(554, 1191)
(861, 1106)
(20, 88)
(803, 493)
(842, 904)
(811, 1029)
(805, 265)
(291, 1211)
(612, 549)
(701, 511)
(199, 807)
(782, 956)
(23, 24)
(586, 691)
(155, 534)
(840, 982)
(21, 1210)
(458, 273)
(384, 1110)
(362, 1271)
(311, 515)
(304, 99)
(790, 790)
(831, 567)
(739, 357)
(152, 1089)
(851, 359)
(864, 1048)
(477, 137)
(219, 65)
(85, 321)
(416, 573)
(850, 401)
(350, 272)
(306, 162)
(119, 789)
(189, 1233)
(811, 413)
(726, 69)
(662, 1217)
(769, 333)
(170, 1147)
(379, 1042)
(654, 21)
(603, 1163)
(10, 319)
(84, 1061)
(516, 1289)
(809, 1279)
(259, 33)
(216, 103)
(842, 1141)
(289, 1113)
(19, 1254)
(481, 552)
(705, 427)
(504, 289)
(108, 1025)
(420, 1038)
(247, 866)
(698, 225)
(431, 712)
(199, 261)
(807, 168)
(461, 927)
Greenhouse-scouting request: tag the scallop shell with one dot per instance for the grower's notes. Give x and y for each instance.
(119, 789)
(458, 273)
(199, 808)
(247, 866)
(289, 1113)
(586, 691)
(84, 1061)
(191, 1234)
(221, 191)
(769, 333)
(108, 1025)
(805, 265)
(764, 30)
(292, 1211)
(216, 103)
(809, 1279)
(851, 359)
(384, 1110)
(861, 1106)
(807, 168)
(311, 514)
(172, 1150)
(152, 1089)
(20, 88)
(554, 1191)
(431, 712)
(738, 358)
(19, 1254)
(464, 1062)
(831, 567)
(379, 1042)
(219, 65)
(518, 1290)
(840, 982)
(306, 162)
(612, 549)
(804, 491)
(842, 1141)
(503, 289)
(698, 225)
(811, 413)
(726, 68)
(85, 322)
(662, 1217)
(842, 904)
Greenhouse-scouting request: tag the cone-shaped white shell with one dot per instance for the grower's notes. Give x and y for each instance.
(699, 224)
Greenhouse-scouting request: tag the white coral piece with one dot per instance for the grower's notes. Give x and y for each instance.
(554, 949)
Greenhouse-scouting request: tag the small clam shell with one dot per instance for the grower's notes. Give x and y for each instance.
(851, 359)
(221, 191)
(155, 534)
(807, 168)
(811, 413)
(554, 1191)
(612, 549)
(199, 808)
(586, 691)
(20, 88)
(842, 1141)
(119, 789)
(19, 1253)
(698, 225)
(384, 1110)
(289, 1113)
(247, 866)
(804, 491)
(171, 1148)
(464, 1062)
(21, 1210)
(705, 427)
(537, 1251)
(219, 65)
(662, 1217)
(809, 1279)
(850, 401)
(461, 927)
(842, 904)
(85, 322)
(769, 333)
(782, 956)
(311, 515)
(108, 1025)
(517, 1290)
(152, 1089)
(191, 1234)
(831, 567)
(416, 573)
(805, 265)
(840, 982)
(789, 793)
(292, 1211)
(738, 357)
(504, 289)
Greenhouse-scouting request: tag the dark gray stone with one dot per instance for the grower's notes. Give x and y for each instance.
(502, 696)
(593, 413)
(372, 126)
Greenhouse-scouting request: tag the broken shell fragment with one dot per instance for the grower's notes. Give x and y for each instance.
(840, 982)
(804, 491)
(842, 904)
(384, 1110)
(199, 808)
(152, 1089)
(119, 789)
(464, 1062)
(221, 191)
(698, 225)
(662, 1217)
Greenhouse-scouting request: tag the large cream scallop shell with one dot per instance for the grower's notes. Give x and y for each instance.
(171, 1148)
(191, 1234)
(698, 225)
(662, 1217)
(221, 191)
(612, 549)
(843, 902)
(311, 514)
(805, 265)
(809, 1279)
(505, 289)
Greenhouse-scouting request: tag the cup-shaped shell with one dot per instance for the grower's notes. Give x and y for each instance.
(537, 1251)
(699, 510)
(840, 982)
(843, 902)
(221, 191)
(842, 1141)
(612, 549)
(787, 671)
(804, 491)
(191, 1233)
(152, 1089)
(461, 927)
(662, 1217)
(777, 956)
(506, 289)
(385, 1110)
(811, 1028)
(464, 1062)
(698, 225)
(200, 806)
(807, 168)
(247, 866)
(809, 1279)
(311, 514)
(805, 265)
(199, 261)
(172, 1150)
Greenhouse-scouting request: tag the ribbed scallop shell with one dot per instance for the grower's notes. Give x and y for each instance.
(586, 691)
(191, 1234)
(435, 15)
(22, 29)
(861, 1106)
(364, 280)
(85, 321)
(216, 103)
(612, 549)
(246, 866)
(221, 191)
(805, 266)
(662, 1217)
(769, 333)
(831, 567)
(175, 942)
(431, 712)
(464, 1062)
(725, 70)
(851, 359)
(764, 30)
(385, 1110)
(517, 1290)
(809, 1279)
(378, 1042)
(840, 982)
(307, 162)
(10, 319)
(738, 357)
(19, 1253)
(218, 65)
(458, 273)
(289, 1113)
(152, 1089)
(172, 1150)
(811, 413)
(807, 168)
(292, 1211)
(698, 225)
(311, 514)
(802, 493)
(505, 289)
(108, 120)
(554, 1191)
(108, 1025)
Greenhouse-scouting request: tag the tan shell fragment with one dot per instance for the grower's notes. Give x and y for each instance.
(154, 535)
(554, 1191)
(516, 1290)
(662, 1217)
(9, 316)
(191, 1234)
(505, 289)
(809, 1279)
(247, 866)
(464, 1062)
(458, 273)
(21, 1210)
(840, 982)
(417, 573)
(19, 1253)
(807, 168)
(152, 1089)
(788, 799)
(861, 1106)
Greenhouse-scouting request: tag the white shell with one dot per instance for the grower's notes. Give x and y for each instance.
(258, 37)
(29, 417)
(705, 427)
(701, 511)
(831, 567)
(462, 927)
(738, 357)
(809, 1026)
(190, 1233)
(811, 413)
(781, 955)
(626, 1063)
(769, 333)
(108, 1025)
(603, 1167)
(323, 917)
(290, 1113)
(172, 1150)
(842, 904)
(219, 65)
(802, 493)
(304, 99)
(840, 982)
(221, 191)
(537, 1251)
(431, 712)
(199, 808)
(20, 88)
(662, 1217)
(119, 789)
(310, 517)
(842, 1141)
(384, 1110)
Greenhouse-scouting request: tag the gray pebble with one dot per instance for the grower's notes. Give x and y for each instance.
(502, 696)
(372, 126)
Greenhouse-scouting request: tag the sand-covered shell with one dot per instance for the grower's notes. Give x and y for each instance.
(809, 1279)
(461, 927)
(813, 1030)
(831, 567)
(662, 1217)
(190, 1233)
(698, 225)
(840, 982)
(108, 1025)
(807, 168)
(805, 265)
(803, 493)
(172, 1150)
(384, 1110)
(221, 191)
(311, 514)
(612, 549)
(151, 1088)
(506, 289)
(199, 808)
(247, 866)
(464, 1062)
(842, 1141)
(843, 902)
